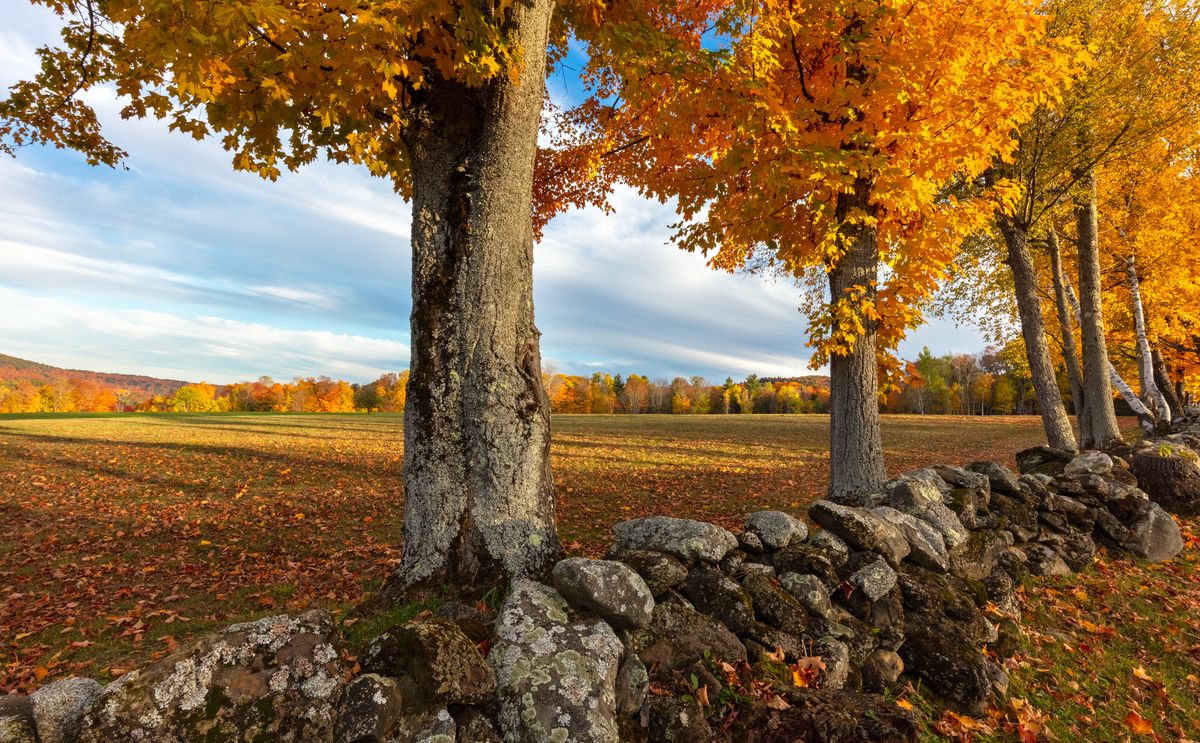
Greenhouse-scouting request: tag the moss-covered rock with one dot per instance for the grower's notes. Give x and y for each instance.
(274, 679)
(555, 672)
(443, 662)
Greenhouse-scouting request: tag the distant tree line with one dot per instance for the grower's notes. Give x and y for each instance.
(995, 381)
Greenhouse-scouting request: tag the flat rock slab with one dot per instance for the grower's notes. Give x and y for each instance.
(277, 678)
(556, 675)
(613, 590)
(686, 539)
(861, 528)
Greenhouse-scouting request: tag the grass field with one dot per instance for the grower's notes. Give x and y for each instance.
(122, 536)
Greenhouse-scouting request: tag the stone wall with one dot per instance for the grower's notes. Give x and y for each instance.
(683, 632)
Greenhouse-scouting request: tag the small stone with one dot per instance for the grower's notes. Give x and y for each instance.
(875, 579)
(810, 592)
(749, 542)
(610, 589)
(632, 684)
(1000, 478)
(1090, 463)
(661, 572)
(944, 520)
(1042, 561)
(58, 708)
(686, 539)
(719, 596)
(833, 546)
(836, 657)
(371, 710)
(881, 670)
(979, 555)
(673, 720)
(776, 529)
(776, 606)
(427, 726)
(915, 494)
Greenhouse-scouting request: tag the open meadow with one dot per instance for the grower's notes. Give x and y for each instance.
(121, 536)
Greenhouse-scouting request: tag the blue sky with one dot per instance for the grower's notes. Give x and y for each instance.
(181, 267)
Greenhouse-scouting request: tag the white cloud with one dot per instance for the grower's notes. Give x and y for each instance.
(205, 347)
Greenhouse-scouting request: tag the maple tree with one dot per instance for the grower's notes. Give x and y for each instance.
(829, 140)
(444, 100)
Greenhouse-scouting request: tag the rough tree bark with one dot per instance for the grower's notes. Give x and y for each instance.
(1152, 395)
(855, 445)
(1033, 330)
(1067, 331)
(478, 491)
(1162, 377)
(1096, 386)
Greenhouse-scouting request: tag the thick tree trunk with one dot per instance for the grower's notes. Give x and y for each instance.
(855, 445)
(1033, 330)
(478, 491)
(1150, 391)
(1162, 377)
(1066, 328)
(1096, 387)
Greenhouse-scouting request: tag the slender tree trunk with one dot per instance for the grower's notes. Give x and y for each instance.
(855, 446)
(1096, 386)
(478, 491)
(1066, 328)
(1054, 413)
(1162, 377)
(1150, 391)
(1144, 416)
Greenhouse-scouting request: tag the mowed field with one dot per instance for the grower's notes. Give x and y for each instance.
(121, 536)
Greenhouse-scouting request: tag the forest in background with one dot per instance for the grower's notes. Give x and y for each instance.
(995, 381)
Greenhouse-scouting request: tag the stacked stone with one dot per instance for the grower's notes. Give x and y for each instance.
(913, 581)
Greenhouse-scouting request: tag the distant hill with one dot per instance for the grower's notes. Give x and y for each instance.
(813, 380)
(13, 369)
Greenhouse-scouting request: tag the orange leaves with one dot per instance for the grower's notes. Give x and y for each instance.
(1138, 724)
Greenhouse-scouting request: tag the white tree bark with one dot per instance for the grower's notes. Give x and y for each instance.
(1145, 417)
(1145, 361)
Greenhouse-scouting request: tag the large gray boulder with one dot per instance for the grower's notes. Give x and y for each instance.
(610, 589)
(277, 678)
(861, 528)
(927, 547)
(941, 518)
(58, 708)
(686, 539)
(1154, 535)
(555, 674)
(775, 529)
